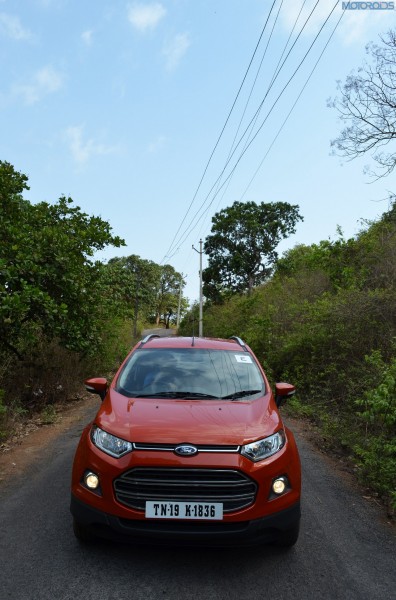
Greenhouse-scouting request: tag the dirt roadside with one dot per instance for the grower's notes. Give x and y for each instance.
(30, 439)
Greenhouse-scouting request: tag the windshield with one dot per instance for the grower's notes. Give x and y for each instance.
(189, 373)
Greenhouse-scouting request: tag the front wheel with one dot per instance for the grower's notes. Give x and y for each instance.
(288, 538)
(82, 533)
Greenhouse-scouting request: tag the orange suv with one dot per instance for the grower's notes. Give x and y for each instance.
(188, 447)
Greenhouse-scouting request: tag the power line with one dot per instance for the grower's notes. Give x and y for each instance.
(249, 97)
(272, 80)
(283, 89)
(221, 133)
(255, 79)
(292, 108)
(277, 71)
(191, 226)
(272, 107)
(197, 218)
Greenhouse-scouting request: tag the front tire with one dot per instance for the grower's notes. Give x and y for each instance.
(288, 538)
(82, 533)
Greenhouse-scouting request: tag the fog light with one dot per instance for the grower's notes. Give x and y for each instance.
(279, 486)
(91, 480)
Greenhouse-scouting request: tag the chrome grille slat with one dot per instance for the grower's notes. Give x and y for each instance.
(234, 489)
(171, 447)
(164, 482)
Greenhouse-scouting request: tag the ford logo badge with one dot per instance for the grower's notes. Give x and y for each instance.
(186, 450)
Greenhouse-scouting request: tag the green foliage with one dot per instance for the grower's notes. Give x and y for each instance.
(48, 281)
(326, 321)
(131, 283)
(167, 295)
(63, 315)
(143, 289)
(378, 406)
(336, 260)
(242, 245)
(117, 339)
(376, 448)
(48, 415)
(189, 323)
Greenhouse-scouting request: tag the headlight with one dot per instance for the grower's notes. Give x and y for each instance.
(264, 448)
(110, 444)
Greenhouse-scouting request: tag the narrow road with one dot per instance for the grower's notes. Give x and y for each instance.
(159, 331)
(344, 551)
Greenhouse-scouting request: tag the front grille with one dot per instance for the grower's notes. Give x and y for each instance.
(200, 447)
(234, 489)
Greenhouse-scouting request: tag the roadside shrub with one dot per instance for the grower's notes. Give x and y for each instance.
(376, 448)
(3, 416)
(326, 322)
(51, 374)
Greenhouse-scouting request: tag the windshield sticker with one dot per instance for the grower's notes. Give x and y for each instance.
(243, 358)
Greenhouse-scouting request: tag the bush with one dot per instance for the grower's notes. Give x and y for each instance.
(376, 449)
(327, 323)
(52, 375)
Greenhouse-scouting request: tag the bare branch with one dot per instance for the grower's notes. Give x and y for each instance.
(367, 106)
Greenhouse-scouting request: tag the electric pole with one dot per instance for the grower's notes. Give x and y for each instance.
(179, 305)
(200, 326)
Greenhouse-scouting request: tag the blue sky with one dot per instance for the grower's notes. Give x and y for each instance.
(120, 104)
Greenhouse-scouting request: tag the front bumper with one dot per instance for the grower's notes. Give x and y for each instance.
(225, 533)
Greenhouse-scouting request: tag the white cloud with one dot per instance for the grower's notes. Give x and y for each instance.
(290, 11)
(82, 149)
(45, 81)
(145, 16)
(86, 37)
(12, 27)
(175, 50)
(157, 144)
(358, 26)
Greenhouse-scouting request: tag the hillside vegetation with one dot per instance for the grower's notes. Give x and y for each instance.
(63, 314)
(326, 321)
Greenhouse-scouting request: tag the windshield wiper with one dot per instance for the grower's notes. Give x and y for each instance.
(240, 394)
(178, 395)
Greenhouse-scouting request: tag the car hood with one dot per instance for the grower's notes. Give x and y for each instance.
(194, 421)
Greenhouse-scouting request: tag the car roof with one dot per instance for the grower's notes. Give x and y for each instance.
(190, 342)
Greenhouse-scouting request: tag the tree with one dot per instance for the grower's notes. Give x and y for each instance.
(144, 288)
(242, 245)
(168, 291)
(367, 107)
(133, 281)
(49, 283)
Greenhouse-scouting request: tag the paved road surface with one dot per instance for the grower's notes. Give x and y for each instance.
(159, 331)
(344, 551)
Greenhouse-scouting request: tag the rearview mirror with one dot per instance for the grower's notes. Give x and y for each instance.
(97, 385)
(282, 392)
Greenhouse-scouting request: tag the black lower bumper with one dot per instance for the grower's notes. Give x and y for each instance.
(258, 531)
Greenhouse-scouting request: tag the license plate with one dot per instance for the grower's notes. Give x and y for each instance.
(184, 510)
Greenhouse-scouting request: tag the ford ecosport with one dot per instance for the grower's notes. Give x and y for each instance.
(188, 446)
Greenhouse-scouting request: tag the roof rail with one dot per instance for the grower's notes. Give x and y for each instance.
(148, 338)
(239, 341)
